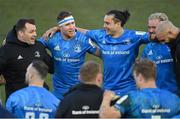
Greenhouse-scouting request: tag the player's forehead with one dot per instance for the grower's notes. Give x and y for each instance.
(153, 22)
(29, 26)
(108, 17)
(69, 23)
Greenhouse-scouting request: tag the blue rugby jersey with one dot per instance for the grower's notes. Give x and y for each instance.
(68, 56)
(161, 55)
(149, 103)
(118, 55)
(32, 102)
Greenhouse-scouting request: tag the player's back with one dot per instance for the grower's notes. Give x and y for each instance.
(32, 102)
(154, 102)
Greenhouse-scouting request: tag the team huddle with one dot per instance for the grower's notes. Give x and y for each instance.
(123, 86)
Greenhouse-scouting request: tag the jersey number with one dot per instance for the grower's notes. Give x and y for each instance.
(31, 115)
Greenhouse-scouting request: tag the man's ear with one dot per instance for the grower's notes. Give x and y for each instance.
(20, 33)
(99, 79)
(31, 76)
(170, 34)
(141, 77)
(119, 23)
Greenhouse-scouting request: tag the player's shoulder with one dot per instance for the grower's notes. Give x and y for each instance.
(81, 37)
(56, 36)
(134, 32)
(97, 32)
(18, 95)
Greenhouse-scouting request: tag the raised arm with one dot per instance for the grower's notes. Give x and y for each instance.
(50, 32)
(82, 30)
(107, 111)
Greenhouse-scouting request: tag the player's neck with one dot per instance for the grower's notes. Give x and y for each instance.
(39, 84)
(149, 84)
(92, 83)
(118, 33)
(66, 37)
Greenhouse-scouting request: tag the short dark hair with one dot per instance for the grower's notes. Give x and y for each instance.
(63, 14)
(20, 25)
(145, 67)
(41, 68)
(89, 71)
(122, 16)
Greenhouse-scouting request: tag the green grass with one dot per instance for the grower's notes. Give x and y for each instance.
(88, 14)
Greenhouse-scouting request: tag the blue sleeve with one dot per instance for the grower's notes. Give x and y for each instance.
(10, 104)
(95, 35)
(142, 36)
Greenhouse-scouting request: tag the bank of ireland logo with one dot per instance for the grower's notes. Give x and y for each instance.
(159, 57)
(77, 48)
(65, 54)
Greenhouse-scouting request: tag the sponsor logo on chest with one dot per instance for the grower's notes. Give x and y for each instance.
(77, 48)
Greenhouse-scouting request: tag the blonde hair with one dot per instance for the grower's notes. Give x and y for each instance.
(165, 26)
(89, 71)
(158, 15)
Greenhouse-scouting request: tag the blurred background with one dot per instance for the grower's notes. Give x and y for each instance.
(88, 14)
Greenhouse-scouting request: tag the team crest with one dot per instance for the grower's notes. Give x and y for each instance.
(159, 57)
(77, 48)
(37, 54)
(127, 41)
(66, 54)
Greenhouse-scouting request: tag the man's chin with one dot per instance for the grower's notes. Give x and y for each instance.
(71, 35)
(152, 37)
(31, 43)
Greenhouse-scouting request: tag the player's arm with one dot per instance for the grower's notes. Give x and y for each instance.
(94, 49)
(106, 110)
(4, 42)
(98, 53)
(50, 32)
(82, 30)
(53, 30)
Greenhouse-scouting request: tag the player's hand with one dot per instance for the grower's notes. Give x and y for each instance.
(49, 33)
(109, 95)
(4, 42)
(2, 80)
(106, 110)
